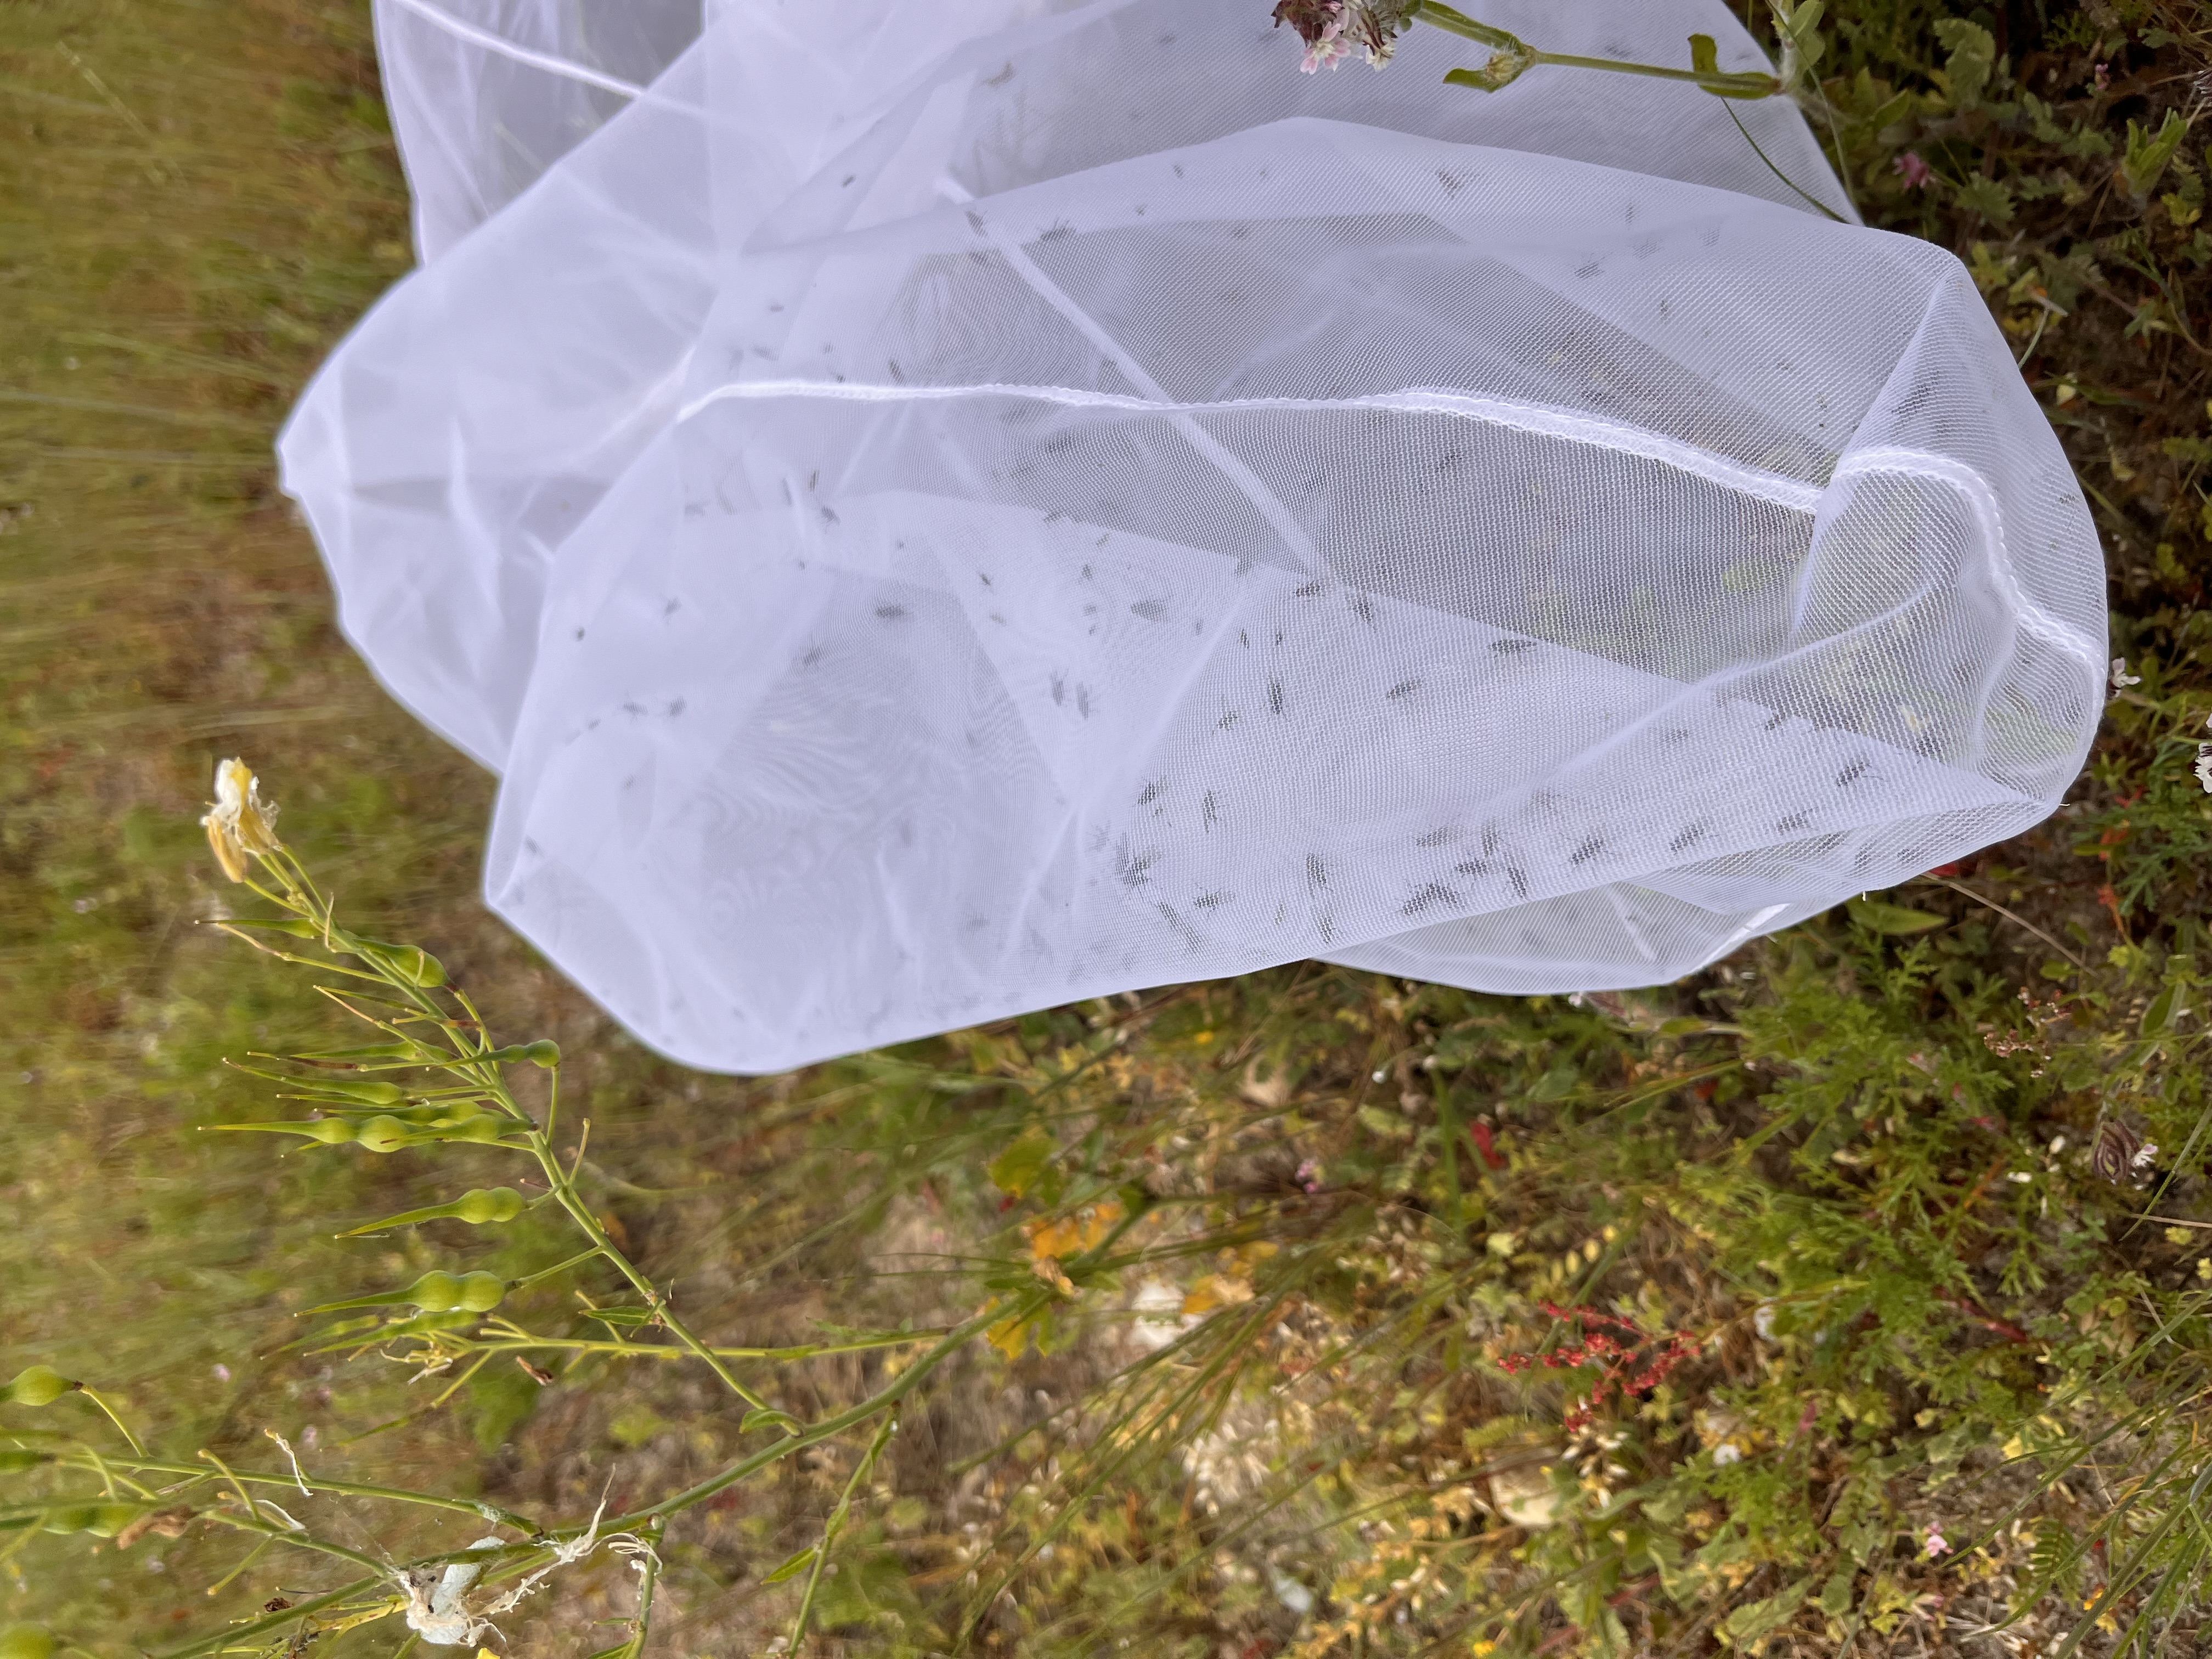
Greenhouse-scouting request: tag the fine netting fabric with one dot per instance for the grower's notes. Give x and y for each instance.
(938, 507)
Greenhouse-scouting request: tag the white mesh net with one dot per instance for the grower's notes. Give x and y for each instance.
(938, 507)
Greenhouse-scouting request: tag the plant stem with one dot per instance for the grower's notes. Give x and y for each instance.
(122, 1428)
(835, 1525)
(1751, 83)
(1814, 200)
(648, 1578)
(565, 1193)
(1737, 82)
(522, 1342)
(305, 1540)
(1447, 1127)
(234, 1639)
(954, 1339)
(480, 1511)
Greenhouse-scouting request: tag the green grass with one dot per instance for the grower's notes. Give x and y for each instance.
(1824, 1184)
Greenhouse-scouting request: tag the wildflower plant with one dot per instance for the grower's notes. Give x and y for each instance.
(429, 1077)
(1334, 29)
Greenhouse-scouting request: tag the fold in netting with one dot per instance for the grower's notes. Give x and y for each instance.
(1570, 426)
(936, 508)
(515, 51)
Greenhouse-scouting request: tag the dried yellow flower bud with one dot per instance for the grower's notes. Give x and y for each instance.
(241, 824)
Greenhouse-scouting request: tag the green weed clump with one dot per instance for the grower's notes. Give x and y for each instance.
(1850, 1298)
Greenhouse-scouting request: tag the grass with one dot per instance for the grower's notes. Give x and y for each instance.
(1819, 1304)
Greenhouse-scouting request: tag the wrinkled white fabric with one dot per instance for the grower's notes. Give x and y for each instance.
(940, 507)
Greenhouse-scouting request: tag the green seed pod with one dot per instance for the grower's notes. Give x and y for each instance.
(487, 1204)
(75, 1517)
(385, 1134)
(27, 1642)
(409, 962)
(478, 1128)
(292, 928)
(330, 1131)
(39, 1385)
(434, 1292)
(108, 1519)
(545, 1053)
(365, 1094)
(477, 1206)
(480, 1292)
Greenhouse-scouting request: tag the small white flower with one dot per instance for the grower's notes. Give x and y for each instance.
(1726, 1452)
(2144, 1154)
(2204, 766)
(437, 1610)
(2021, 1176)
(2121, 678)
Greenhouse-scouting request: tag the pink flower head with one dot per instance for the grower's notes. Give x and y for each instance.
(2103, 77)
(1915, 172)
(1936, 1544)
(1321, 25)
(1327, 53)
(1309, 1175)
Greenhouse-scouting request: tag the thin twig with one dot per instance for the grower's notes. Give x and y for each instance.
(1959, 887)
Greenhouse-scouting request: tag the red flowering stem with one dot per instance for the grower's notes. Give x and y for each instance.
(2004, 1328)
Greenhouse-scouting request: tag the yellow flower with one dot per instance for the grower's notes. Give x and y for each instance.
(240, 823)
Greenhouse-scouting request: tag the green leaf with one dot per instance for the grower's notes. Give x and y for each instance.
(1991, 198)
(1835, 1599)
(1973, 57)
(1797, 23)
(1705, 59)
(2149, 153)
(633, 1317)
(1874, 915)
(2159, 1014)
(791, 1569)
(1016, 1169)
(1756, 1619)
